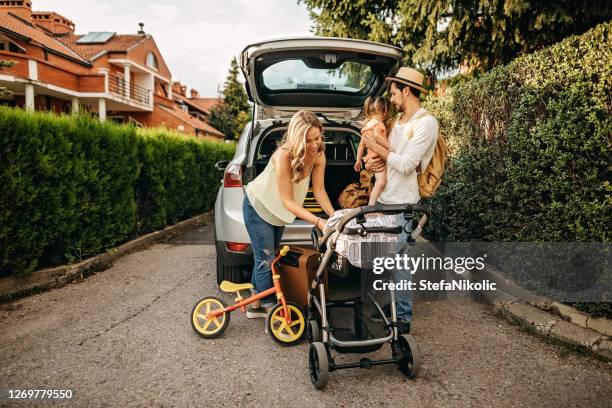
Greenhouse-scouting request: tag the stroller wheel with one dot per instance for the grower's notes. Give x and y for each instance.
(314, 331)
(286, 334)
(209, 328)
(410, 360)
(318, 365)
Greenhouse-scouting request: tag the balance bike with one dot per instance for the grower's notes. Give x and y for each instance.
(285, 322)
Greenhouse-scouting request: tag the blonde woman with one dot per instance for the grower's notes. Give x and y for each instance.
(274, 199)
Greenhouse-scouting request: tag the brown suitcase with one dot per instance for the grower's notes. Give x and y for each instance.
(298, 269)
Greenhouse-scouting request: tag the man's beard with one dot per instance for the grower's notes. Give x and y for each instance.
(398, 107)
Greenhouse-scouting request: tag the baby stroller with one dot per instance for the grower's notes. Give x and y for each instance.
(323, 337)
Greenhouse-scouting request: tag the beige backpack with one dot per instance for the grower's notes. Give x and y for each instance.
(430, 179)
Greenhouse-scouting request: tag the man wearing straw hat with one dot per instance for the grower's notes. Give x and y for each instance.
(412, 140)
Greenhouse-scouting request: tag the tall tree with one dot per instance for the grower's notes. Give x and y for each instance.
(439, 35)
(233, 114)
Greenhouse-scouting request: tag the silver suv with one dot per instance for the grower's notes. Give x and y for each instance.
(329, 76)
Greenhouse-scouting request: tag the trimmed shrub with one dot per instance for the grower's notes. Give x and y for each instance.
(177, 179)
(72, 187)
(603, 309)
(530, 150)
(530, 146)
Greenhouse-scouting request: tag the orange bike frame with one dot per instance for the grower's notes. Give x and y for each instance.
(275, 289)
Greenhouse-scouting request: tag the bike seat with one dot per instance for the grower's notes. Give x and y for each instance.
(228, 286)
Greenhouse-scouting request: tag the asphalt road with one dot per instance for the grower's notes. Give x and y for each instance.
(123, 338)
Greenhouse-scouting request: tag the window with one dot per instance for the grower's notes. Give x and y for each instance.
(8, 45)
(151, 61)
(161, 89)
(14, 48)
(351, 77)
(116, 118)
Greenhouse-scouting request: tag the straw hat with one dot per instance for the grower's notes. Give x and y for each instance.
(410, 77)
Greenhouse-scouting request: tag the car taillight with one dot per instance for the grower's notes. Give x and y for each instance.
(232, 176)
(236, 246)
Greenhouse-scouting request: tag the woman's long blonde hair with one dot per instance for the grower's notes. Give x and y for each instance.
(294, 141)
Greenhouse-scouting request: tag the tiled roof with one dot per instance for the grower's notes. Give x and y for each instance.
(205, 104)
(118, 42)
(190, 102)
(51, 14)
(196, 123)
(15, 25)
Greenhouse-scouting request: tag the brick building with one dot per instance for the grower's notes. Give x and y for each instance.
(122, 77)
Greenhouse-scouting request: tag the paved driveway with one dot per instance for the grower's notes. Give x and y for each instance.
(123, 338)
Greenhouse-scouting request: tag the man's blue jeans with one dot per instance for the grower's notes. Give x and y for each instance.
(265, 238)
(403, 298)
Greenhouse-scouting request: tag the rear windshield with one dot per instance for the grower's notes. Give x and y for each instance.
(350, 76)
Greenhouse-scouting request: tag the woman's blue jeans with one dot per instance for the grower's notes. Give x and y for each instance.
(265, 238)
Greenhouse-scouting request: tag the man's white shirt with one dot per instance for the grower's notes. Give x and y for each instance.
(402, 186)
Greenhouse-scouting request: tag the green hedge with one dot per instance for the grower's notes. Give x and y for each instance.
(595, 309)
(530, 146)
(73, 187)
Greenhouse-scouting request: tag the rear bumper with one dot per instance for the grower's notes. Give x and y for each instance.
(231, 258)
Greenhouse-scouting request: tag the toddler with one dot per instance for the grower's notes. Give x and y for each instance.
(378, 118)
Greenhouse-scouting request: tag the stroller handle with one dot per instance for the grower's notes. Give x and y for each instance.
(382, 208)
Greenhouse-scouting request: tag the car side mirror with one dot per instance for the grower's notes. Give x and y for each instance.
(221, 165)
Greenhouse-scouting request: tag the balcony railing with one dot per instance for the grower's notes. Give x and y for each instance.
(118, 86)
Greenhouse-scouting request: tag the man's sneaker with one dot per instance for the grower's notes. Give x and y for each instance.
(257, 312)
(403, 326)
(377, 318)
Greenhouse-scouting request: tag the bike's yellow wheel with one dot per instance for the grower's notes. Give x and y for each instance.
(283, 333)
(209, 328)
